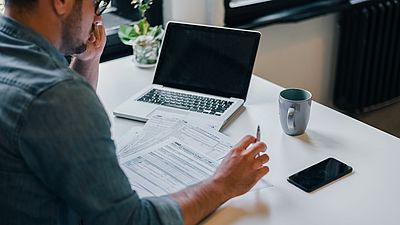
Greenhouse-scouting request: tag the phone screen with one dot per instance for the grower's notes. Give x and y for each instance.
(319, 174)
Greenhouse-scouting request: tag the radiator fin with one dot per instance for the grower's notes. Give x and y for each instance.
(367, 73)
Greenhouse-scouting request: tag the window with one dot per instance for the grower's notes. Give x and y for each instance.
(279, 3)
(255, 13)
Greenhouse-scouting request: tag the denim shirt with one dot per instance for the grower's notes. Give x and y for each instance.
(57, 159)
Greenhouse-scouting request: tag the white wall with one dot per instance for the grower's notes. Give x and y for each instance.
(292, 55)
(195, 11)
(300, 55)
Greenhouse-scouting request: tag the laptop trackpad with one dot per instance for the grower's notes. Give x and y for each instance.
(168, 111)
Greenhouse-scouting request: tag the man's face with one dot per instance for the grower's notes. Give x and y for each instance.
(77, 27)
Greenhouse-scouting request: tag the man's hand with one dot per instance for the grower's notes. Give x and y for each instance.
(95, 45)
(87, 63)
(238, 173)
(241, 168)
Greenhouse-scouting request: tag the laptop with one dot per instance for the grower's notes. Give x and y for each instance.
(203, 72)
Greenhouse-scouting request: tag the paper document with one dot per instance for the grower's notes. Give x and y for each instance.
(126, 142)
(170, 154)
(182, 115)
(167, 167)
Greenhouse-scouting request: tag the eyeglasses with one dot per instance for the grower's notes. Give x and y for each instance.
(100, 6)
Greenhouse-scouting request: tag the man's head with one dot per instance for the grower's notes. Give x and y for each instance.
(21, 3)
(72, 33)
(78, 25)
(68, 24)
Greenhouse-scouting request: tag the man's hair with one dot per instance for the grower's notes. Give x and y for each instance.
(21, 3)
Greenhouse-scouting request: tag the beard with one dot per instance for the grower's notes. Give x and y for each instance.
(72, 30)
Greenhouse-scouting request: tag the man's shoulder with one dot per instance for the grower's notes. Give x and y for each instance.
(30, 66)
(25, 82)
(35, 72)
(26, 79)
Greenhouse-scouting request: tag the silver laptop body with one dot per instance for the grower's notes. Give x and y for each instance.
(208, 66)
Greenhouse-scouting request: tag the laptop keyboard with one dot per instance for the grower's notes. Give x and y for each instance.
(186, 101)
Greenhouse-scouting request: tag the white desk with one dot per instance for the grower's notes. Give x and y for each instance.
(370, 195)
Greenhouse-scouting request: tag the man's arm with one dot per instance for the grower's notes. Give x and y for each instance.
(238, 173)
(65, 140)
(87, 63)
(88, 69)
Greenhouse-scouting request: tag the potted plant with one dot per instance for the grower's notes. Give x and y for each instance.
(145, 40)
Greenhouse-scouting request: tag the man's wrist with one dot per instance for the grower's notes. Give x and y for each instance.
(88, 69)
(200, 200)
(85, 60)
(220, 189)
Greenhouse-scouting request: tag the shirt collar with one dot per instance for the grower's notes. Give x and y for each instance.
(17, 30)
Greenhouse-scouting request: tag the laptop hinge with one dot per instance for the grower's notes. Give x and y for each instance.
(237, 99)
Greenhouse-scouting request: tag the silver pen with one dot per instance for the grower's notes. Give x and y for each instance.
(258, 136)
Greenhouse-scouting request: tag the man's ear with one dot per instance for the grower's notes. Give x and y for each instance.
(63, 7)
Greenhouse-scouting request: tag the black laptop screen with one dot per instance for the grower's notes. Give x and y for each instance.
(206, 59)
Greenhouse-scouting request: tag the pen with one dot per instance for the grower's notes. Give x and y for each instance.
(258, 136)
(258, 133)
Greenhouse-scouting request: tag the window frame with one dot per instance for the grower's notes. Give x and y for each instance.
(282, 11)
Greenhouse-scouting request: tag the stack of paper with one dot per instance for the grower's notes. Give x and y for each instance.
(169, 154)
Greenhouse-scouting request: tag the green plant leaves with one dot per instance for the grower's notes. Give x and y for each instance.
(144, 26)
(156, 32)
(127, 34)
(142, 5)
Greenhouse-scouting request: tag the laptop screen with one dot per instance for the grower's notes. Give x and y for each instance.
(211, 60)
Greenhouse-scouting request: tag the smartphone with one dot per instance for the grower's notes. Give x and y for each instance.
(319, 174)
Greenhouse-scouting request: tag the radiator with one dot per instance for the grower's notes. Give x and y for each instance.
(368, 64)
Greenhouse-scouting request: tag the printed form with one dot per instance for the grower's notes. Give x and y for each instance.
(170, 154)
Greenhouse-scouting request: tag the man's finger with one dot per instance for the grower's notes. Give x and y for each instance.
(262, 172)
(101, 34)
(257, 148)
(91, 38)
(97, 31)
(245, 142)
(102, 30)
(261, 160)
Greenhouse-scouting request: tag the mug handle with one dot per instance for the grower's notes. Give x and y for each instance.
(290, 118)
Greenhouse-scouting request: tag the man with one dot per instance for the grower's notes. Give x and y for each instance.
(57, 158)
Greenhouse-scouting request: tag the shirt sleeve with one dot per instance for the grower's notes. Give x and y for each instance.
(65, 139)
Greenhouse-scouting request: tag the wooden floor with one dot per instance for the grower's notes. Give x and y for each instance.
(386, 119)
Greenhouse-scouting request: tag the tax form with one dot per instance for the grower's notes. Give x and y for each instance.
(170, 154)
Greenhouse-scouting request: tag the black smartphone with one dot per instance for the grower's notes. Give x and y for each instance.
(319, 174)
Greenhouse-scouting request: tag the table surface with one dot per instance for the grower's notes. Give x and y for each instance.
(369, 195)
